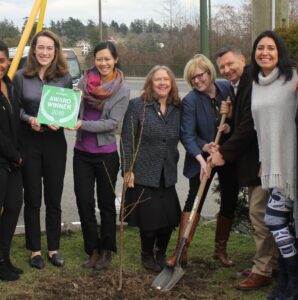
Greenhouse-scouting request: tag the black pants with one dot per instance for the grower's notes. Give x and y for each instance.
(45, 161)
(229, 189)
(101, 169)
(11, 197)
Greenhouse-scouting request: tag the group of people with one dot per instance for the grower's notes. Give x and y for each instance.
(33, 155)
(257, 149)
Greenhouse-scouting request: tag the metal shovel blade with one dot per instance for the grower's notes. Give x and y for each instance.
(163, 278)
(169, 276)
(177, 274)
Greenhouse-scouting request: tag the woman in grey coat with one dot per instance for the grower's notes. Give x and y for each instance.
(150, 136)
(96, 161)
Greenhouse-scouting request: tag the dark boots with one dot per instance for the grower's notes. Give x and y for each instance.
(183, 223)
(154, 245)
(291, 264)
(12, 267)
(6, 273)
(161, 244)
(92, 260)
(223, 228)
(279, 291)
(147, 253)
(104, 260)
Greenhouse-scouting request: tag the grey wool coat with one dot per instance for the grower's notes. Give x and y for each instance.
(112, 114)
(149, 142)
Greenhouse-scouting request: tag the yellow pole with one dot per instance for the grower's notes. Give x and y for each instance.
(24, 38)
(41, 15)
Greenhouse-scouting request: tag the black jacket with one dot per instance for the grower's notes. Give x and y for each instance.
(9, 127)
(157, 152)
(242, 146)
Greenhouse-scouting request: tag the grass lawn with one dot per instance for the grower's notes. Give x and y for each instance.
(205, 278)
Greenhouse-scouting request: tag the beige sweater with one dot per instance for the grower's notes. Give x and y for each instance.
(274, 105)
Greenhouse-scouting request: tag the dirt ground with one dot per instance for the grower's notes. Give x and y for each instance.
(103, 285)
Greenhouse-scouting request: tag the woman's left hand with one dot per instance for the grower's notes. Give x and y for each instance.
(53, 127)
(78, 125)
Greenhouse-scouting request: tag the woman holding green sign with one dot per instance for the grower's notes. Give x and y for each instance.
(96, 160)
(45, 146)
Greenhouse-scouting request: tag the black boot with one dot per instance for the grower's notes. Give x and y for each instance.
(279, 291)
(162, 240)
(5, 273)
(291, 264)
(147, 254)
(12, 267)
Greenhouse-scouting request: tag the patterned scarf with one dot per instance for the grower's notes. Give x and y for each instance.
(95, 91)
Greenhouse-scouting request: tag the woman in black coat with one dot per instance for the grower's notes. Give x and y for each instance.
(150, 135)
(10, 175)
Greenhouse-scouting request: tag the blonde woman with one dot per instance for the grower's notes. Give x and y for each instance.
(199, 122)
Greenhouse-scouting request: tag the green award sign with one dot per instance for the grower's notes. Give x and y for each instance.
(59, 106)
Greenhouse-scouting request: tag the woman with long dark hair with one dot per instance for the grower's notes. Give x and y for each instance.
(274, 105)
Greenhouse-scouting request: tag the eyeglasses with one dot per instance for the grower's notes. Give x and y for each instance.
(197, 77)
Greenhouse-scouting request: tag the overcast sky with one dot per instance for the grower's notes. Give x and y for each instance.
(122, 11)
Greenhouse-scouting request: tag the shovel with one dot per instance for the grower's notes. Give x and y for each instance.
(169, 276)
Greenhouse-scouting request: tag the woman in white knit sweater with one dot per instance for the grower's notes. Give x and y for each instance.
(274, 104)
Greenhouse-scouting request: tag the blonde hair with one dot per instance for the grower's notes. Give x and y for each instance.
(148, 93)
(202, 62)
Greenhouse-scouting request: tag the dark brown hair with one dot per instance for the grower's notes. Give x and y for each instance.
(284, 64)
(148, 93)
(58, 67)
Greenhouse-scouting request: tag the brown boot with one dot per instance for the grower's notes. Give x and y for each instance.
(104, 260)
(92, 260)
(223, 228)
(183, 222)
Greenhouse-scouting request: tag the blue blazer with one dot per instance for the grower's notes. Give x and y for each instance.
(198, 126)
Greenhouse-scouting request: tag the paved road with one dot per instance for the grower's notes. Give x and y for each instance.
(70, 216)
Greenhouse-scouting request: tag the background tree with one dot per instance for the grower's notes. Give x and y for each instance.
(72, 30)
(293, 11)
(123, 29)
(33, 31)
(9, 33)
(91, 33)
(115, 26)
(290, 36)
(137, 26)
(172, 41)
